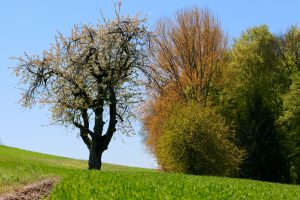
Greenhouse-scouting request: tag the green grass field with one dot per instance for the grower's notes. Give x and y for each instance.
(19, 167)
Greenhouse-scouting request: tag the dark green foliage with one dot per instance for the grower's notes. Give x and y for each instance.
(258, 135)
(195, 140)
(290, 124)
(253, 103)
(290, 119)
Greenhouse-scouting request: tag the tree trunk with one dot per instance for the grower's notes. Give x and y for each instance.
(100, 142)
(96, 151)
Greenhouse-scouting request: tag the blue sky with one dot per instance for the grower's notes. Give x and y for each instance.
(31, 25)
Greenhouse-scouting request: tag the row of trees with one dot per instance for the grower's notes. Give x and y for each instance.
(211, 110)
(224, 111)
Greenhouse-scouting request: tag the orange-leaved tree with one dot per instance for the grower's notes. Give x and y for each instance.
(188, 54)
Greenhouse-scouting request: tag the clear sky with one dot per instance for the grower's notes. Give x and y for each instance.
(31, 25)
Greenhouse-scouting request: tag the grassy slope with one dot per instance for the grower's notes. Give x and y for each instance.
(19, 167)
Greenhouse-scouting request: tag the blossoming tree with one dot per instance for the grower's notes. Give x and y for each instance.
(89, 77)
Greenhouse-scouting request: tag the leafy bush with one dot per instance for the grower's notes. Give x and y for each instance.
(195, 140)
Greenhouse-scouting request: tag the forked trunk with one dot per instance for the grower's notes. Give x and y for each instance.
(100, 142)
(95, 155)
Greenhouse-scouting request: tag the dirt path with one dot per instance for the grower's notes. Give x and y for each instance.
(33, 191)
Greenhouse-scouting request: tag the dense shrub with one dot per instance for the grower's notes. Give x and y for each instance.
(195, 140)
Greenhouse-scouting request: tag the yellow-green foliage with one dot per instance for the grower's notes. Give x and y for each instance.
(195, 140)
(290, 124)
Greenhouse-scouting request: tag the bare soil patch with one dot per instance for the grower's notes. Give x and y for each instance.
(33, 191)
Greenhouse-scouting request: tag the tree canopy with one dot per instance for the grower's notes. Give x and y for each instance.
(88, 77)
(188, 53)
(252, 102)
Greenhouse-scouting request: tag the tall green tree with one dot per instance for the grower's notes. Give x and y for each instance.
(290, 123)
(252, 103)
(88, 78)
(289, 49)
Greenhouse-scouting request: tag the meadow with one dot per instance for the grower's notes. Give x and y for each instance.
(19, 168)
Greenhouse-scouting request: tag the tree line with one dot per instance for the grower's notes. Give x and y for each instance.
(220, 110)
(211, 108)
